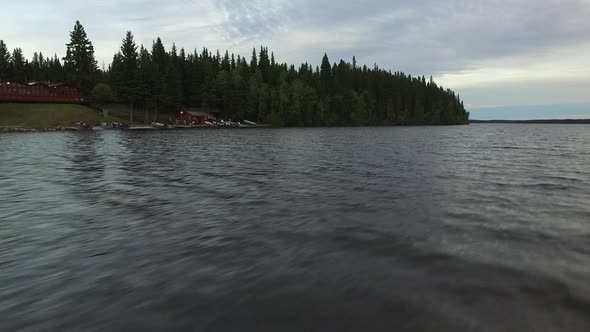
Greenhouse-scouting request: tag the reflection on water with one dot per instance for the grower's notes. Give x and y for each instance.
(480, 228)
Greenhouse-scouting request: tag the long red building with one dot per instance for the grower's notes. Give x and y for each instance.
(39, 92)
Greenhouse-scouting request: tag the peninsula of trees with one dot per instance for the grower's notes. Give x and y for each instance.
(257, 88)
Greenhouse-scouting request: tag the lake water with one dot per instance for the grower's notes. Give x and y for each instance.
(469, 228)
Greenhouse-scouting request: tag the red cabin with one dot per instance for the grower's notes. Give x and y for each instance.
(39, 92)
(193, 116)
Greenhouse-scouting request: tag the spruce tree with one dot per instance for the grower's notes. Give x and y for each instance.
(43, 68)
(55, 70)
(128, 88)
(326, 69)
(172, 89)
(143, 82)
(117, 76)
(128, 85)
(19, 66)
(159, 56)
(174, 54)
(80, 64)
(159, 64)
(254, 61)
(226, 62)
(4, 62)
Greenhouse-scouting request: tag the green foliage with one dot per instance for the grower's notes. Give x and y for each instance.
(254, 60)
(326, 69)
(80, 64)
(102, 94)
(260, 90)
(275, 120)
(124, 71)
(172, 95)
(43, 116)
(4, 61)
(143, 79)
(18, 65)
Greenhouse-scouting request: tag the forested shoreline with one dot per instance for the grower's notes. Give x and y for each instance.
(257, 88)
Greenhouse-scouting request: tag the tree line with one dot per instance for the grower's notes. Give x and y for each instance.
(259, 89)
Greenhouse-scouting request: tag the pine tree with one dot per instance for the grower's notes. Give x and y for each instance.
(55, 70)
(19, 66)
(182, 55)
(326, 69)
(43, 68)
(117, 76)
(254, 61)
(127, 86)
(159, 55)
(128, 89)
(80, 64)
(4, 62)
(159, 61)
(172, 89)
(143, 82)
(174, 54)
(226, 62)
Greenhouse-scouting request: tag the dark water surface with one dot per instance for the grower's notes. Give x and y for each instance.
(474, 228)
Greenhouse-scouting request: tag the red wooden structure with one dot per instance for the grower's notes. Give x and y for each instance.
(39, 92)
(194, 116)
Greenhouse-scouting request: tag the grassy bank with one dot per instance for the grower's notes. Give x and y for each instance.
(49, 116)
(140, 117)
(43, 116)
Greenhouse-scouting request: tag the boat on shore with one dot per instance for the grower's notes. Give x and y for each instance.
(142, 128)
(247, 123)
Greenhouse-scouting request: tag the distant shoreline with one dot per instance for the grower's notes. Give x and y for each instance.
(547, 121)
(45, 117)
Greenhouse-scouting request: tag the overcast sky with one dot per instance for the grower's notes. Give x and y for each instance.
(493, 53)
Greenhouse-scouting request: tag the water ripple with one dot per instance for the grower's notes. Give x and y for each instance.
(478, 228)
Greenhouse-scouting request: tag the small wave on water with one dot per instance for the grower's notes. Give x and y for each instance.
(350, 229)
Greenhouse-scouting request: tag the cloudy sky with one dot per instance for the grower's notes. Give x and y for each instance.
(504, 57)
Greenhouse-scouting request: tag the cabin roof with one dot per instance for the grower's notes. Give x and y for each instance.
(11, 83)
(56, 85)
(37, 83)
(207, 111)
(197, 113)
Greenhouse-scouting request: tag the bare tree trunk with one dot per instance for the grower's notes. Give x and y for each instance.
(147, 117)
(131, 115)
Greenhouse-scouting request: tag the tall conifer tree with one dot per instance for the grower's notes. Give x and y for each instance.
(128, 88)
(80, 64)
(4, 61)
(19, 65)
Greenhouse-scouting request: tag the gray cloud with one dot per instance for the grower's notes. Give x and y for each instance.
(439, 36)
(419, 37)
(422, 36)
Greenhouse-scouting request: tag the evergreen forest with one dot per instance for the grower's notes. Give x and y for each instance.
(256, 87)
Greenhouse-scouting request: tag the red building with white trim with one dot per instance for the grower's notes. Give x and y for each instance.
(193, 116)
(39, 92)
